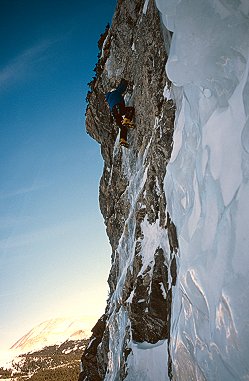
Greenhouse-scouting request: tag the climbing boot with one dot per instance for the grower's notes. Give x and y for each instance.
(127, 122)
(124, 143)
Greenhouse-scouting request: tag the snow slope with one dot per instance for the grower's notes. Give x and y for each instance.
(52, 332)
(207, 186)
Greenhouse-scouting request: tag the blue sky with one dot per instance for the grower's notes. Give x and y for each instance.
(54, 253)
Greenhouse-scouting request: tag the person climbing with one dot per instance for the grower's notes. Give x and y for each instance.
(122, 114)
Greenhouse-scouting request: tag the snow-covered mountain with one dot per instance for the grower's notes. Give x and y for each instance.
(50, 350)
(175, 203)
(50, 332)
(59, 362)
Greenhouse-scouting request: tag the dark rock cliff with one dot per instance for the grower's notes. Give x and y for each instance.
(131, 193)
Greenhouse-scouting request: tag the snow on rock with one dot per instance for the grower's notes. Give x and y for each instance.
(131, 340)
(175, 204)
(207, 187)
(153, 234)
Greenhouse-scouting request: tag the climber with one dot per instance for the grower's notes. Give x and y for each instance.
(122, 114)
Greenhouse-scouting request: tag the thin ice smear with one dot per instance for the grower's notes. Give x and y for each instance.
(146, 3)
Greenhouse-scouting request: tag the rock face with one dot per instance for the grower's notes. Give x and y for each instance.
(131, 195)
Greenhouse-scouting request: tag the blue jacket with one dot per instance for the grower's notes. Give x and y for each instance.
(116, 96)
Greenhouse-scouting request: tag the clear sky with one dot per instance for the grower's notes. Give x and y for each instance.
(54, 253)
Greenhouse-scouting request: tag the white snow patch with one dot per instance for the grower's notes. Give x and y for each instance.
(163, 290)
(67, 351)
(154, 237)
(103, 46)
(141, 301)
(148, 362)
(167, 92)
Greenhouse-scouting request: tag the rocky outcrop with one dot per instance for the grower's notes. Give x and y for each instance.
(131, 194)
(92, 363)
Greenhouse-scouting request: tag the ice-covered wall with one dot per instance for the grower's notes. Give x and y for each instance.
(201, 322)
(207, 187)
(131, 341)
